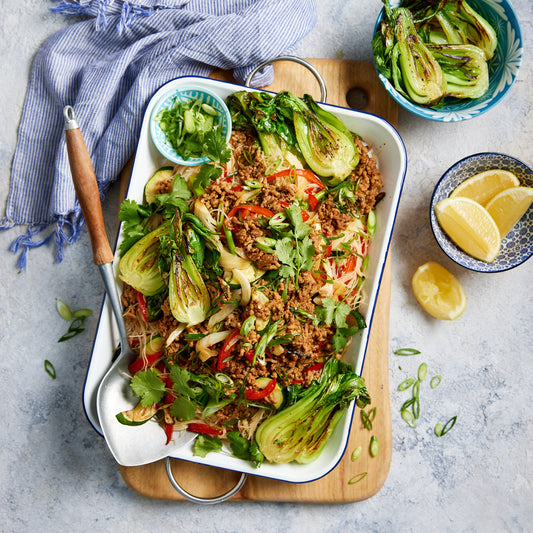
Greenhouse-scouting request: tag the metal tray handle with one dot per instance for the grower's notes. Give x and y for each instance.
(197, 499)
(299, 60)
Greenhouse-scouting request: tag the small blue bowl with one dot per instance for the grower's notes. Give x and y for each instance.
(517, 246)
(184, 94)
(503, 66)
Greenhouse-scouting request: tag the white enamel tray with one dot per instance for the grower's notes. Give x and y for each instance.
(144, 444)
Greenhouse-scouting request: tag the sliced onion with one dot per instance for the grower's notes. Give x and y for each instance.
(175, 334)
(203, 345)
(202, 212)
(220, 315)
(228, 261)
(246, 289)
(246, 196)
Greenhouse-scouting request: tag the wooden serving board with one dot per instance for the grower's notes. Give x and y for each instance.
(347, 82)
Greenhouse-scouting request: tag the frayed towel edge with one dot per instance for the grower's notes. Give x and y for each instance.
(66, 231)
(128, 14)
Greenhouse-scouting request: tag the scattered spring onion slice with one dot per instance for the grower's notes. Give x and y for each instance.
(408, 418)
(248, 325)
(357, 478)
(405, 384)
(407, 404)
(413, 404)
(76, 319)
(407, 351)
(224, 379)
(357, 453)
(416, 407)
(63, 309)
(416, 398)
(441, 431)
(368, 418)
(371, 222)
(374, 446)
(416, 389)
(49, 368)
(82, 313)
(422, 371)
(435, 381)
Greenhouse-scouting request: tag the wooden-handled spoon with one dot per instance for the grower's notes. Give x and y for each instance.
(86, 188)
(146, 444)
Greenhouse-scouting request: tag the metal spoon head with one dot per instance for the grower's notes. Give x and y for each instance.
(131, 445)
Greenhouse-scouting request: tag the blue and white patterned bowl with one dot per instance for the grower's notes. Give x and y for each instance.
(517, 246)
(184, 94)
(503, 66)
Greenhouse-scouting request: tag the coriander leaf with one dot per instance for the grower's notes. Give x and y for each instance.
(148, 386)
(183, 408)
(132, 212)
(205, 444)
(285, 251)
(243, 449)
(326, 312)
(331, 311)
(340, 339)
(180, 188)
(180, 378)
(301, 229)
(132, 215)
(307, 254)
(215, 146)
(341, 312)
(238, 444)
(255, 454)
(207, 174)
(178, 197)
(286, 271)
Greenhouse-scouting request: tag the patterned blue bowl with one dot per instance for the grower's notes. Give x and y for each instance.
(517, 246)
(503, 66)
(184, 94)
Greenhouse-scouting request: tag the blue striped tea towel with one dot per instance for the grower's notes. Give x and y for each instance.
(107, 66)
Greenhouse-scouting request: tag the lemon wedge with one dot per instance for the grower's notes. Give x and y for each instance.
(438, 291)
(485, 185)
(469, 225)
(508, 207)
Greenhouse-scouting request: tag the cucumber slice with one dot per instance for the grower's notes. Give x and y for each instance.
(160, 183)
(155, 345)
(276, 396)
(136, 416)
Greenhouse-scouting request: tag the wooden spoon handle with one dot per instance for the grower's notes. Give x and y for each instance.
(86, 188)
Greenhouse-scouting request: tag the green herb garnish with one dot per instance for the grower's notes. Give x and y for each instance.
(148, 386)
(374, 446)
(49, 368)
(441, 431)
(407, 351)
(357, 478)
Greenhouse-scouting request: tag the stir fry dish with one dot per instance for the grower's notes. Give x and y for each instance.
(243, 279)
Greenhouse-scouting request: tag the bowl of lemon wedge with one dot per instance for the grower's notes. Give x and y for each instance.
(482, 212)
